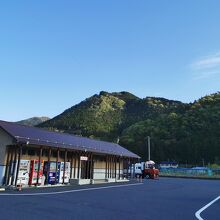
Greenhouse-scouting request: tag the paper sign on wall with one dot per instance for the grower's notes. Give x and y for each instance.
(83, 158)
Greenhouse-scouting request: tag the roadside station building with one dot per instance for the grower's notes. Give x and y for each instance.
(33, 156)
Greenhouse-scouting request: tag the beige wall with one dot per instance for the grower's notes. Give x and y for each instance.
(100, 166)
(45, 158)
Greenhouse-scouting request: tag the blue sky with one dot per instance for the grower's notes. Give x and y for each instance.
(54, 54)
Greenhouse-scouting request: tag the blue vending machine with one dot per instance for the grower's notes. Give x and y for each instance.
(50, 172)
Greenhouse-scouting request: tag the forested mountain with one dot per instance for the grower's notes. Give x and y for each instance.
(187, 133)
(33, 121)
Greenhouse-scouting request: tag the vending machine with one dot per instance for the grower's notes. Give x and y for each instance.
(52, 177)
(34, 172)
(23, 172)
(67, 172)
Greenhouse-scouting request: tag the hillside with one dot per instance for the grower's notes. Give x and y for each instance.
(33, 121)
(187, 133)
(106, 115)
(190, 137)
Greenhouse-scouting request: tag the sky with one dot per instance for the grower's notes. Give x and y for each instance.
(54, 54)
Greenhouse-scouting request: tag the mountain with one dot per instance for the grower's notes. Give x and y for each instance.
(104, 116)
(190, 137)
(186, 132)
(33, 121)
(98, 116)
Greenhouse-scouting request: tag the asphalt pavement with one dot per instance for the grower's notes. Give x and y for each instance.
(163, 199)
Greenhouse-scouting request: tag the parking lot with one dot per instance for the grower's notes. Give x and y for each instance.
(166, 198)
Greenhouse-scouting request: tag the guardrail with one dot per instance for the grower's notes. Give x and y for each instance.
(190, 172)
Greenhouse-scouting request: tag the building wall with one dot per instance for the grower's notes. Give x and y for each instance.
(5, 140)
(75, 166)
(100, 169)
(99, 166)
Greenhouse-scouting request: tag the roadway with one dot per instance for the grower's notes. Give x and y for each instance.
(166, 198)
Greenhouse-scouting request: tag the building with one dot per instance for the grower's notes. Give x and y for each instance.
(33, 156)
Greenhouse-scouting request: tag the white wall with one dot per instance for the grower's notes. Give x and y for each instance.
(99, 174)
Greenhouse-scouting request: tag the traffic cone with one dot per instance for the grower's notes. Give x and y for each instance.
(19, 187)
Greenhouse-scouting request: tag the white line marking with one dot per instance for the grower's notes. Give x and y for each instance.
(69, 191)
(197, 214)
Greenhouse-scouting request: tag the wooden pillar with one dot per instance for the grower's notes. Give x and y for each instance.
(18, 166)
(130, 167)
(87, 166)
(64, 167)
(74, 173)
(7, 166)
(57, 160)
(91, 167)
(112, 166)
(119, 169)
(115, 167)
(14, 165)
(48, 159)
(10, 168)
(109, 166)
(71, 168)
(127, 165)
(49, 154)
(39, 164)
(106, 165)
(109, 163)
(78, 171)
(133, 161)
(113, 170)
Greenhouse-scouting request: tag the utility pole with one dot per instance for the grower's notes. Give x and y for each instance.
(148, 144)
(203, 162)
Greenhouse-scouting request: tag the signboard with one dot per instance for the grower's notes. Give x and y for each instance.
(83, 158)
(23, 172)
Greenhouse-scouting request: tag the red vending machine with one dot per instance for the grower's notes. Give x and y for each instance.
(34, 172)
